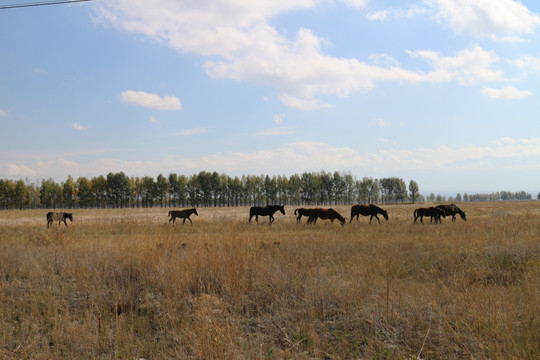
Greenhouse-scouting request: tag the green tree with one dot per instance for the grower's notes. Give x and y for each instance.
(69, 193)
(413, 190)
(84, 192)
(162, 184)
(270, 189)
(294, 187)
(118, 189)
(99, 189)
(309, 188)
(21, 195)
(50, 194)
(193, 189)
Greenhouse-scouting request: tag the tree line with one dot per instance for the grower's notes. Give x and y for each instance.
(117, 190)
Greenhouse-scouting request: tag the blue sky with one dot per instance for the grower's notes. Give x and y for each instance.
(444, 92)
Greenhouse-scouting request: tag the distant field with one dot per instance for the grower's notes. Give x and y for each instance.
(124, 284)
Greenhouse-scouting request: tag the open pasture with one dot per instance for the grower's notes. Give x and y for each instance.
(125, 284)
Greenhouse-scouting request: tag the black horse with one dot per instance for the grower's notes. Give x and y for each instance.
(58, 216)
(325, 214)
(302, 212)
(183, 214)
(433, 212)
(452, 210)
(267, 210)
(367, 210)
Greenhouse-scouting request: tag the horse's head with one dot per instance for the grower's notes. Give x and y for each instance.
(462, 214)
(69, 216)
(282, 209)
(385, 214)
(195, 212)
(342, 220)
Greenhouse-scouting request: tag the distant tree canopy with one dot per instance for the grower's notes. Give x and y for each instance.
(117, 190)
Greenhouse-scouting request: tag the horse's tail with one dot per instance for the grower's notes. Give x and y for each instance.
(415, 214)
(170, 213)
(295, 212)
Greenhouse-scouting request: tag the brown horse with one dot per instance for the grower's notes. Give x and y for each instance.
(58, 216)
(302, 212)
(452, 210)
(368, 210)
(325, 214)
(267, 210)
(183, 214)
(432, 212)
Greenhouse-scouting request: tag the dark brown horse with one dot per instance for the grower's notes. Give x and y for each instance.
(325, 214)
(183, 214)
(452, 210)
(302, 212)
(367, 210)
(432, 212)
(267, 210)
(58, 216)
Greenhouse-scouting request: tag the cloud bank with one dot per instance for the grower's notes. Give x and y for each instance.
(241, 45)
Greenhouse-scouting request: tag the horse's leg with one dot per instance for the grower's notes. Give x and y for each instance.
(184, 221)
(298, 218)
(189, 220)
(65, 222)
(379, 220)
(271, 219)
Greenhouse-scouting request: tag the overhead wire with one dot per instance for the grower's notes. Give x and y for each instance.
(40, 3)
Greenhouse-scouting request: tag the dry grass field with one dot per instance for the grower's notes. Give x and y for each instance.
(124, 284)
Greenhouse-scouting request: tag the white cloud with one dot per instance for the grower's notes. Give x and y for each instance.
(244, 47)
(411, 12)
(3, 113)
(275, 132)
(153, 120)
(304, 104)
(152, 101)
(191, 132)
(507, 93)
(503, 20)
(277, 119)
(381, 123)
(355, 3)
(79, 127)
(378, 15)
(527, 63)
(469, 66)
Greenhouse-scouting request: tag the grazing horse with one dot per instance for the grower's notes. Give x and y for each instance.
(367, 210)
(267, 210)
(452, 210)
(325, 214)
(58, 216)
(184, 214)
(302, 212)
(433, 212)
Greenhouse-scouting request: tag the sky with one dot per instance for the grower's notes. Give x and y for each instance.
(443, 92)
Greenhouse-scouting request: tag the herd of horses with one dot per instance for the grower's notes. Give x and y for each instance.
(435, 213)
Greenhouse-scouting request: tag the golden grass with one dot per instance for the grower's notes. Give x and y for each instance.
(125, 284)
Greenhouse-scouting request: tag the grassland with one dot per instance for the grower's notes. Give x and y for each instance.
(124, 284)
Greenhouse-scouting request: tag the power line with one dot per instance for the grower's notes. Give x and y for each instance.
(40, 3)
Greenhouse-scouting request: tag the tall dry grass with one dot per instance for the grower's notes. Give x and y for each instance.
(124, 284)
